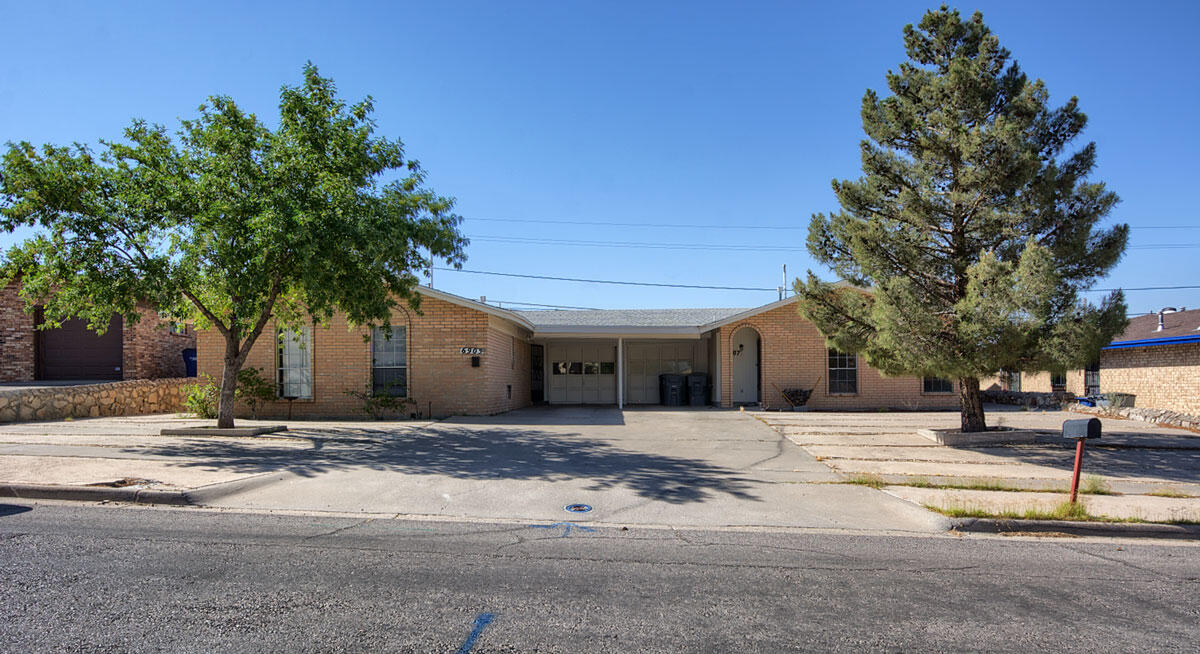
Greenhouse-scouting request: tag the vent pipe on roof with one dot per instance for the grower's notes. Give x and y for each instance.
(1165, 310)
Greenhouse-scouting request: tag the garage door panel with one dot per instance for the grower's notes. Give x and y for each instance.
(583, 383)
(646, 361)
(75, 352)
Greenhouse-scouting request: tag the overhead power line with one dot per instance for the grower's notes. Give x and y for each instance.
(639, 244)
(541, 306)
(718, 247)
(732, 288)
(608, 281)
(605, 223)
(803, 228)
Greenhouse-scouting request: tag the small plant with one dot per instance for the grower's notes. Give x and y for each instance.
(253, 389)
(380, 404)
(1095, 485)
(1169, 492)
(201, 398)
(874, 481)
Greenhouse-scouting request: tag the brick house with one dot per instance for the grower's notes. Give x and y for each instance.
(459, 356)
(148, 349)
(1156, 359)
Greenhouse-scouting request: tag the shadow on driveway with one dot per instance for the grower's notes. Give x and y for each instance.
(478, 453)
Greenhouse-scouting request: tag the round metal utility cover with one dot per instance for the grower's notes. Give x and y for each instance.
(578, 508)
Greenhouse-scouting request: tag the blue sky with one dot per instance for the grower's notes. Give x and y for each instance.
(644, 113)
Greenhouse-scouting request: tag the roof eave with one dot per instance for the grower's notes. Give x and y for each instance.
(1149, 342)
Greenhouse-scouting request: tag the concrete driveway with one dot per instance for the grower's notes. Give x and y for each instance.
(647, 467)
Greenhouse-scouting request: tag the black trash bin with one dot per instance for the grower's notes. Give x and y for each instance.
(697, 387)
(670, 390)
(189, 361)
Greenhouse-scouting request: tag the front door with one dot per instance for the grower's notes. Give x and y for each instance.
(746, 363)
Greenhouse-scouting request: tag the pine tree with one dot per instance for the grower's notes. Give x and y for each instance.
(972, 227)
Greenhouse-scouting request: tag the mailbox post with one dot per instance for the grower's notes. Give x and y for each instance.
(1081, 430)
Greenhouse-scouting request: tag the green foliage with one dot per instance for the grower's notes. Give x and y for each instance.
(380, 405)
(253, 389)
(974, 228)
(229, 223)
(202, 398)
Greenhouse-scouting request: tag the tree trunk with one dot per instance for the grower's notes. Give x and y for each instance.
(971, 403)
(233, 364)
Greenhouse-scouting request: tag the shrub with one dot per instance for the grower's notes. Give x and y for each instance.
(254, 389)
(380, 405)
(201, 398)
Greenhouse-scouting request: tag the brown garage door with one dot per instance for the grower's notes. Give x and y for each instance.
(74, 352)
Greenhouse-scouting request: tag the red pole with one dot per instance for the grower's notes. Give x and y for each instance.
(1078, 466)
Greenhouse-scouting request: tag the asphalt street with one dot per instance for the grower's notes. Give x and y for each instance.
(87, 578)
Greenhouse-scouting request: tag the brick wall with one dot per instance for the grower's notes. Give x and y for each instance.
(150, 350)
(1038, 382)
(794, 356)
(441, 380)
(1161, 376)
(16, 337)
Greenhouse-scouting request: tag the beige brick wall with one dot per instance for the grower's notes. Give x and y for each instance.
(794, 355)
(441, 380)
(1161, 376)
(1038, 382)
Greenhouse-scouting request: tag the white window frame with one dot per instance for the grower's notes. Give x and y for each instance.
(293, 363)
(400, 339)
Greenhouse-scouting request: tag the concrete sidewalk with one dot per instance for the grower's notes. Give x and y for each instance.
(1151, 471)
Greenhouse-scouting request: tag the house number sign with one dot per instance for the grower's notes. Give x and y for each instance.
(470, 350)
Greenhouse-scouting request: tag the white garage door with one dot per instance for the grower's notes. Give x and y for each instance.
(647, 361)
(582, 373)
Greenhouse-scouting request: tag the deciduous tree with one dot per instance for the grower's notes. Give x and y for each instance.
(229, 223)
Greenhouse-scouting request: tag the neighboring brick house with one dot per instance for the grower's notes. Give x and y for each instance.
(148, 349)
(459, 356)
(1156, 359)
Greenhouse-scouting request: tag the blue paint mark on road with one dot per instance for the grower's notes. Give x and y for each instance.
(481, 622)
(567, 527)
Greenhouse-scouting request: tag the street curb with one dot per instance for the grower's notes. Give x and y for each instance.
(94, 494)
(1078, 528)
(206, 494)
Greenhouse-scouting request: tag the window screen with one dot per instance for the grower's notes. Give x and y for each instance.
(843, 372)
(938, 385)
(389, 362)
(295, 363)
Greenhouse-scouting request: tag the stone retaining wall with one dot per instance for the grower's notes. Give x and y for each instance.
(126, 398)
(1025, 398)
(1156, 416)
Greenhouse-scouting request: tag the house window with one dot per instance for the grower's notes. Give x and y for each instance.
(1058, 382)
(843, 373)
(389, 362)
(295, 363)
(1011, 380)
(938, 385)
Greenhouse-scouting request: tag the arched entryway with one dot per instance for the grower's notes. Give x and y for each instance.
(746, 346)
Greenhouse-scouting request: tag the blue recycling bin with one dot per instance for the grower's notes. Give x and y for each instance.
(189, 361)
